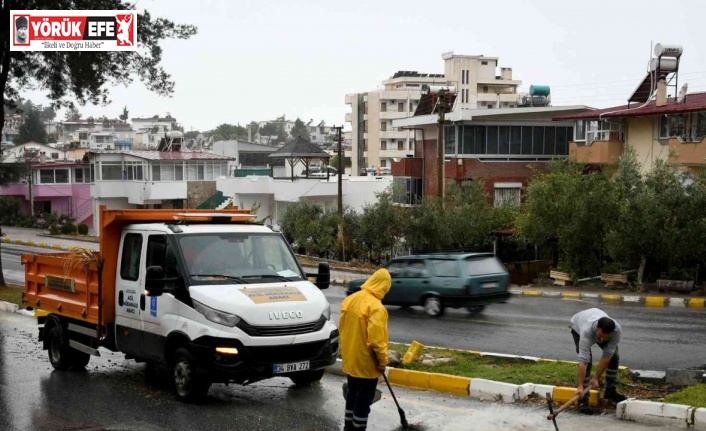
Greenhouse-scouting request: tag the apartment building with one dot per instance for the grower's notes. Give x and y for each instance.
(375, 142)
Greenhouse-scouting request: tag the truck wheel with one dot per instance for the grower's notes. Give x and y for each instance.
(79, 360)
(60, 354)
(433, 306)
(306, 378)
(188, 386)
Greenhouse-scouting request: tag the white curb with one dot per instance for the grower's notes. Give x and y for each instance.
(677, 302)
(506, 356)
(590, 296)
(653, 413)
(542, 390)
(8, 307)
(491, 390)
(524, 391)
(700, 420)
(551, 294)
(631, 298)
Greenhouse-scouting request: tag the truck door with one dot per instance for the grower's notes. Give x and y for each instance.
(128, 289)
(159, 313)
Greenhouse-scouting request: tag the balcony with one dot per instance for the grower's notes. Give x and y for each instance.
(687, 153)
(394, 154)
(597, 153)
(349, 99)
(349, 117)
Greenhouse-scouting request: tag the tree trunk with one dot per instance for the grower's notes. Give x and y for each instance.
(4, 71)
(641, 270)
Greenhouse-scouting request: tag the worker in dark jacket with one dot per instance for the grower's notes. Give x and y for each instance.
(589, 327)
(364, 339)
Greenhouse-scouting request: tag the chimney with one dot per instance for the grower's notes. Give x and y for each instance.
(661, 98)
(42, 157)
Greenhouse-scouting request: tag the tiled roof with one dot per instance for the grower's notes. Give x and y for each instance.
(693, 102)
(300, 148)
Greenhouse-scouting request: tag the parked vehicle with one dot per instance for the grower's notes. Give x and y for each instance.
(209, 294)
(438, 281)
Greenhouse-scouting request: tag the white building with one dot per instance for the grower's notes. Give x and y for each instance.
(149, 131)
(154, 179)
(374, 140)
(271, 196)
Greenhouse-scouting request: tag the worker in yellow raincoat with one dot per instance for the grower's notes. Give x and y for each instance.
(364, 339)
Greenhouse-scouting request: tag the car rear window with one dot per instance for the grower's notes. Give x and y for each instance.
(484, 265)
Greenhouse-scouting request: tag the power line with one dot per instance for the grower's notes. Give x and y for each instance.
(700, 72)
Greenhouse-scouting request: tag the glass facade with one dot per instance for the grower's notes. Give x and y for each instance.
(508, 141)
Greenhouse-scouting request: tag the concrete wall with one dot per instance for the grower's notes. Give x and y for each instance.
(198, 191)
(640, 135)
(273, 194)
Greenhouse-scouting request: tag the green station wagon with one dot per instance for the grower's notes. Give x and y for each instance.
(437, 281)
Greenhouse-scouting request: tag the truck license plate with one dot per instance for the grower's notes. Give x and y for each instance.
(290, 368)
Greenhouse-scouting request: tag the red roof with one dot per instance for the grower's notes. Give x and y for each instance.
(169, 155)
(693, 102)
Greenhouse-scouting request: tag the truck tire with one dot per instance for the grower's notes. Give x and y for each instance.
(188, 385)
(306, 378)
(60, 354)
(79, 359)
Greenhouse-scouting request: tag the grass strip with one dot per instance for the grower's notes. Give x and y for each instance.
(694, 396)
(11, 293)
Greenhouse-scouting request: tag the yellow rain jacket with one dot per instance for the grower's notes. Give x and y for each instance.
(363, 327)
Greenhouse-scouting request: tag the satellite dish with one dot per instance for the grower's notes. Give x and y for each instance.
(682, 93)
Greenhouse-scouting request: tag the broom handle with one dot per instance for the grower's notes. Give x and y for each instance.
(572, 400)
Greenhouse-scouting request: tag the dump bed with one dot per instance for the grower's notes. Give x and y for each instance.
(67, 284)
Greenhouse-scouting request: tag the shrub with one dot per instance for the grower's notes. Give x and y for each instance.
(82, 229)
(68, 229)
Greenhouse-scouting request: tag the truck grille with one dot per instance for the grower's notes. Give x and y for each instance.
(287, 353)
(278, 331)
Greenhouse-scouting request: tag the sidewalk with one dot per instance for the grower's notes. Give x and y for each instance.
(342, 276)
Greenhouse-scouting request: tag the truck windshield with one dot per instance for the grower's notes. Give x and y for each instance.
(243, 257)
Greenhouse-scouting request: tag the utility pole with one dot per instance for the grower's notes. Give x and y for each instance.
(339, 138)
(442, 104)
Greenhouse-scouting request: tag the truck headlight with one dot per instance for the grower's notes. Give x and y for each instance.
(216, 316)
(327, 312)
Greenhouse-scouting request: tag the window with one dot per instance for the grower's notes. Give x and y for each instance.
(550, 140)
(400, 145)
(411, 106)
(492, 141)
(580, 131)
(445, 268)
(383, 145)
(463, 77)
(400, 107)
(484, 265)
(407, 191)
(383, 107)
(130, 259)
(133, 171)
(503, 140)
(515, 140)
(466, 144)
(416, 269)
(383, 126)
(485, 89)
(46, 176)
(54, 156)
(538, 141)
(78, 175)
(484, 63)
(463, 96)
(526, 140)
(156, 173)
(396, 268)
(450, 139)
(61, 176)
(111, 171)
(507, 194)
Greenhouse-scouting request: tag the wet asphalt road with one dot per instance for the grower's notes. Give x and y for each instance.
(112, 395)
(653, 338)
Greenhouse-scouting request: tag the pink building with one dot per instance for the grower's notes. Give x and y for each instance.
(61, 187)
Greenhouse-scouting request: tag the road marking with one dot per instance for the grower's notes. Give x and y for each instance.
(655, 301)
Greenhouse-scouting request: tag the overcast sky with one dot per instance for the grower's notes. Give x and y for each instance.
(257, 60)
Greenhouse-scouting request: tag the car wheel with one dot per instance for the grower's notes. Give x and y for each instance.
(306, 378)
(59, 350)
(433, 306)
(188, 385)
(476, 309)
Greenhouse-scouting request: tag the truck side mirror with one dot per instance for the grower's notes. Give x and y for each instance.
(323, 278)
